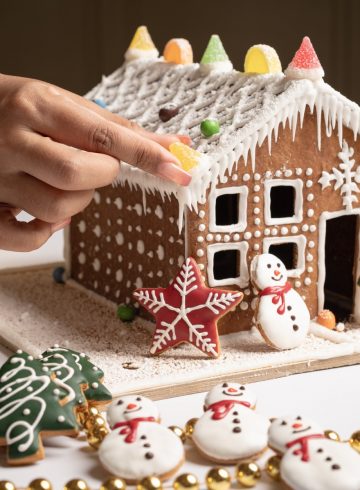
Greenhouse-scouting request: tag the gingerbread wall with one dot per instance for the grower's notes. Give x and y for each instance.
(289, 160)
(115, 247)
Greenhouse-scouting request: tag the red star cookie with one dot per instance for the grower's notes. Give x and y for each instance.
(187, 311)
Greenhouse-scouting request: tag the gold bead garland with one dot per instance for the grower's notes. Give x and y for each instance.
(218, 479)
(76, 484)
(189, 427)
(39, 484)
(6, 485)
(355, 441)
(179, 432)
(186, 481)
(272, 467)
(248, 474)
(331, 434)
(114, 484)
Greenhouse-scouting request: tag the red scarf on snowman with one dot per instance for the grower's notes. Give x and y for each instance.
(130, 427)
(303, 442)
(222, 408)
(278, 293)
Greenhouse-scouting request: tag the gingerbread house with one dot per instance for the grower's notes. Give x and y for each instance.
(281, 175)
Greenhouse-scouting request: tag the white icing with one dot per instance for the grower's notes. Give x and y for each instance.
(119, 237)
(200, 252)
(314, 74)
(256, 188)
(217, 67)
(140, 246)
(82, 258)
(160, 251)
(242, 280)
(97, 231)
(82, 226)
(133, 54)
(310, 197)
(309, 183)
(310, 213)
(119, 275)
(97, 197)
(118, 202)
(294, 229)
(159, 212)
(242, 192)
(96, 264)
(209, 237)
(201, 214)
(236, 237)
(309, 171)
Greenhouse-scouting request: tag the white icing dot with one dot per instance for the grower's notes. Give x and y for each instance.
(312, 228)
(200, 253)
(201, 214)
(236, 237)
(119, 237)
(257, 233)
(82, 226)
(201, 267)
(284, 230)
(246, 177)
(29, 389)
(274, 231)
(310, 213)
(58, 373)
(202, 227)
(8, 390)
(26, 411)
(97, 231)
(309, 171)
(159, 273)
(307, 281)
(180, 260)
(209, 237)
(310, 197)
(247, 235)
(226, 238)
(247, 292)
(200, 239)
(140, 247)
(95, 385)
(253, 303)
(305, 227)
(118, 202)
(159, 212)
(278, 173)
(268, 174)
(256, 199)
(256, 188)
(19, 351)
(30, 358)
(160, 252)
(234, 177)
(309, 258)
(171, 261)
(218, 237)
(266, 232)
(61, 418)
(298, 171)
(97, 197)
(256, 246)
(244, 305)
(288, 173)
(257, 176)
(45, 369)
(294, 229)
(120, 258)
(297, 284)
(310, 269)
(119, 275)
(129, 228)
(108, 238)
(256, 211)
(257, 221)
(309, 183)
(311, 244)
(96, 264)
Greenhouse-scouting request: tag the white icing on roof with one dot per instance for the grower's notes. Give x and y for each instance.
(249, 108)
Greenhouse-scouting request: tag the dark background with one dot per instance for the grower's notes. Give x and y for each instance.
(72, 42)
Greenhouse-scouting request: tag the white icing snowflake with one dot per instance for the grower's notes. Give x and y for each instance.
(345, 179)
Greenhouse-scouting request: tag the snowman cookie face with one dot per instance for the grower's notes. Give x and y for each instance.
(230, 391)
(267, 270)
(131, 407)
(290, 428)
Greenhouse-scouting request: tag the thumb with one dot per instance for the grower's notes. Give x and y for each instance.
(20, 236)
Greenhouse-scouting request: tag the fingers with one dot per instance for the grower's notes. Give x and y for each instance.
(41, 200)
(20, 236)
(76, 125)
(62, 166)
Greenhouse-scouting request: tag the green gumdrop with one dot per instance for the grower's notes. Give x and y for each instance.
(214, 51)
(209, 127)
(126, 313)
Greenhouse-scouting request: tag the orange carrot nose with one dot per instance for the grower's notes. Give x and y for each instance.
(232, 390)
(131, 406)
(277, 273)
(296, 426)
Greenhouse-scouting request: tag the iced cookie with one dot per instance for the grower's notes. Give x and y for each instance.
(32, 405)
(311, 461)
(138, 446)
(230, 430)
(282, 316)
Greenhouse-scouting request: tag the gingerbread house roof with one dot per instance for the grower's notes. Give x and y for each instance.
(249, 108)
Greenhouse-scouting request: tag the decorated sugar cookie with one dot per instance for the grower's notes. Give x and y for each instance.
(76, 370)
(31, 405)
(282, 316)
(187, 311)
(138, 446)
(230, 430)
(311, 461)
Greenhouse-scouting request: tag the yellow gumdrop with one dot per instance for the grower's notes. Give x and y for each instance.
(178, 51)
(188, 157)
(262, 58)
(142, 40)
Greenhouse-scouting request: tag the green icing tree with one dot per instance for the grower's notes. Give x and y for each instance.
(30, 403)
(84, 373)
(214, 51)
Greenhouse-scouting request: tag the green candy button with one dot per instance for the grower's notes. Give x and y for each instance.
(209, 127)
(126, 313)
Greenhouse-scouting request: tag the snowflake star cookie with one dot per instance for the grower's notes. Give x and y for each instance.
(187, 311)
(282, 316)
(311, 461)
(230, 430)
(138, 446)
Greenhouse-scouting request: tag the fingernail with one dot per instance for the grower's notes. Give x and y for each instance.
(170, 171)
(60, 225)
(184, 139)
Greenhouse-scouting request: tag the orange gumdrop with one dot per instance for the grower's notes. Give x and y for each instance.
(327, 319)
(178, 51)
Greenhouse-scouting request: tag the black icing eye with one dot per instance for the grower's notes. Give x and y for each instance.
(225, 385)
(138, 399)
(242, 388)
(298, 418)
(120, 402)
(278, 265)
(269, 266)
(283, 423)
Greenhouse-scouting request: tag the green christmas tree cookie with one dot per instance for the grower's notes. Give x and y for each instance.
(84, 377)
(31, 405)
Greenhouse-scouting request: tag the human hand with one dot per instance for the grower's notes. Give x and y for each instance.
(56, 148)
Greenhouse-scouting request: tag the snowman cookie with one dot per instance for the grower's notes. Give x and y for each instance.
(230, 430)
(282, 316)
(311, 461)
(137, 445)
